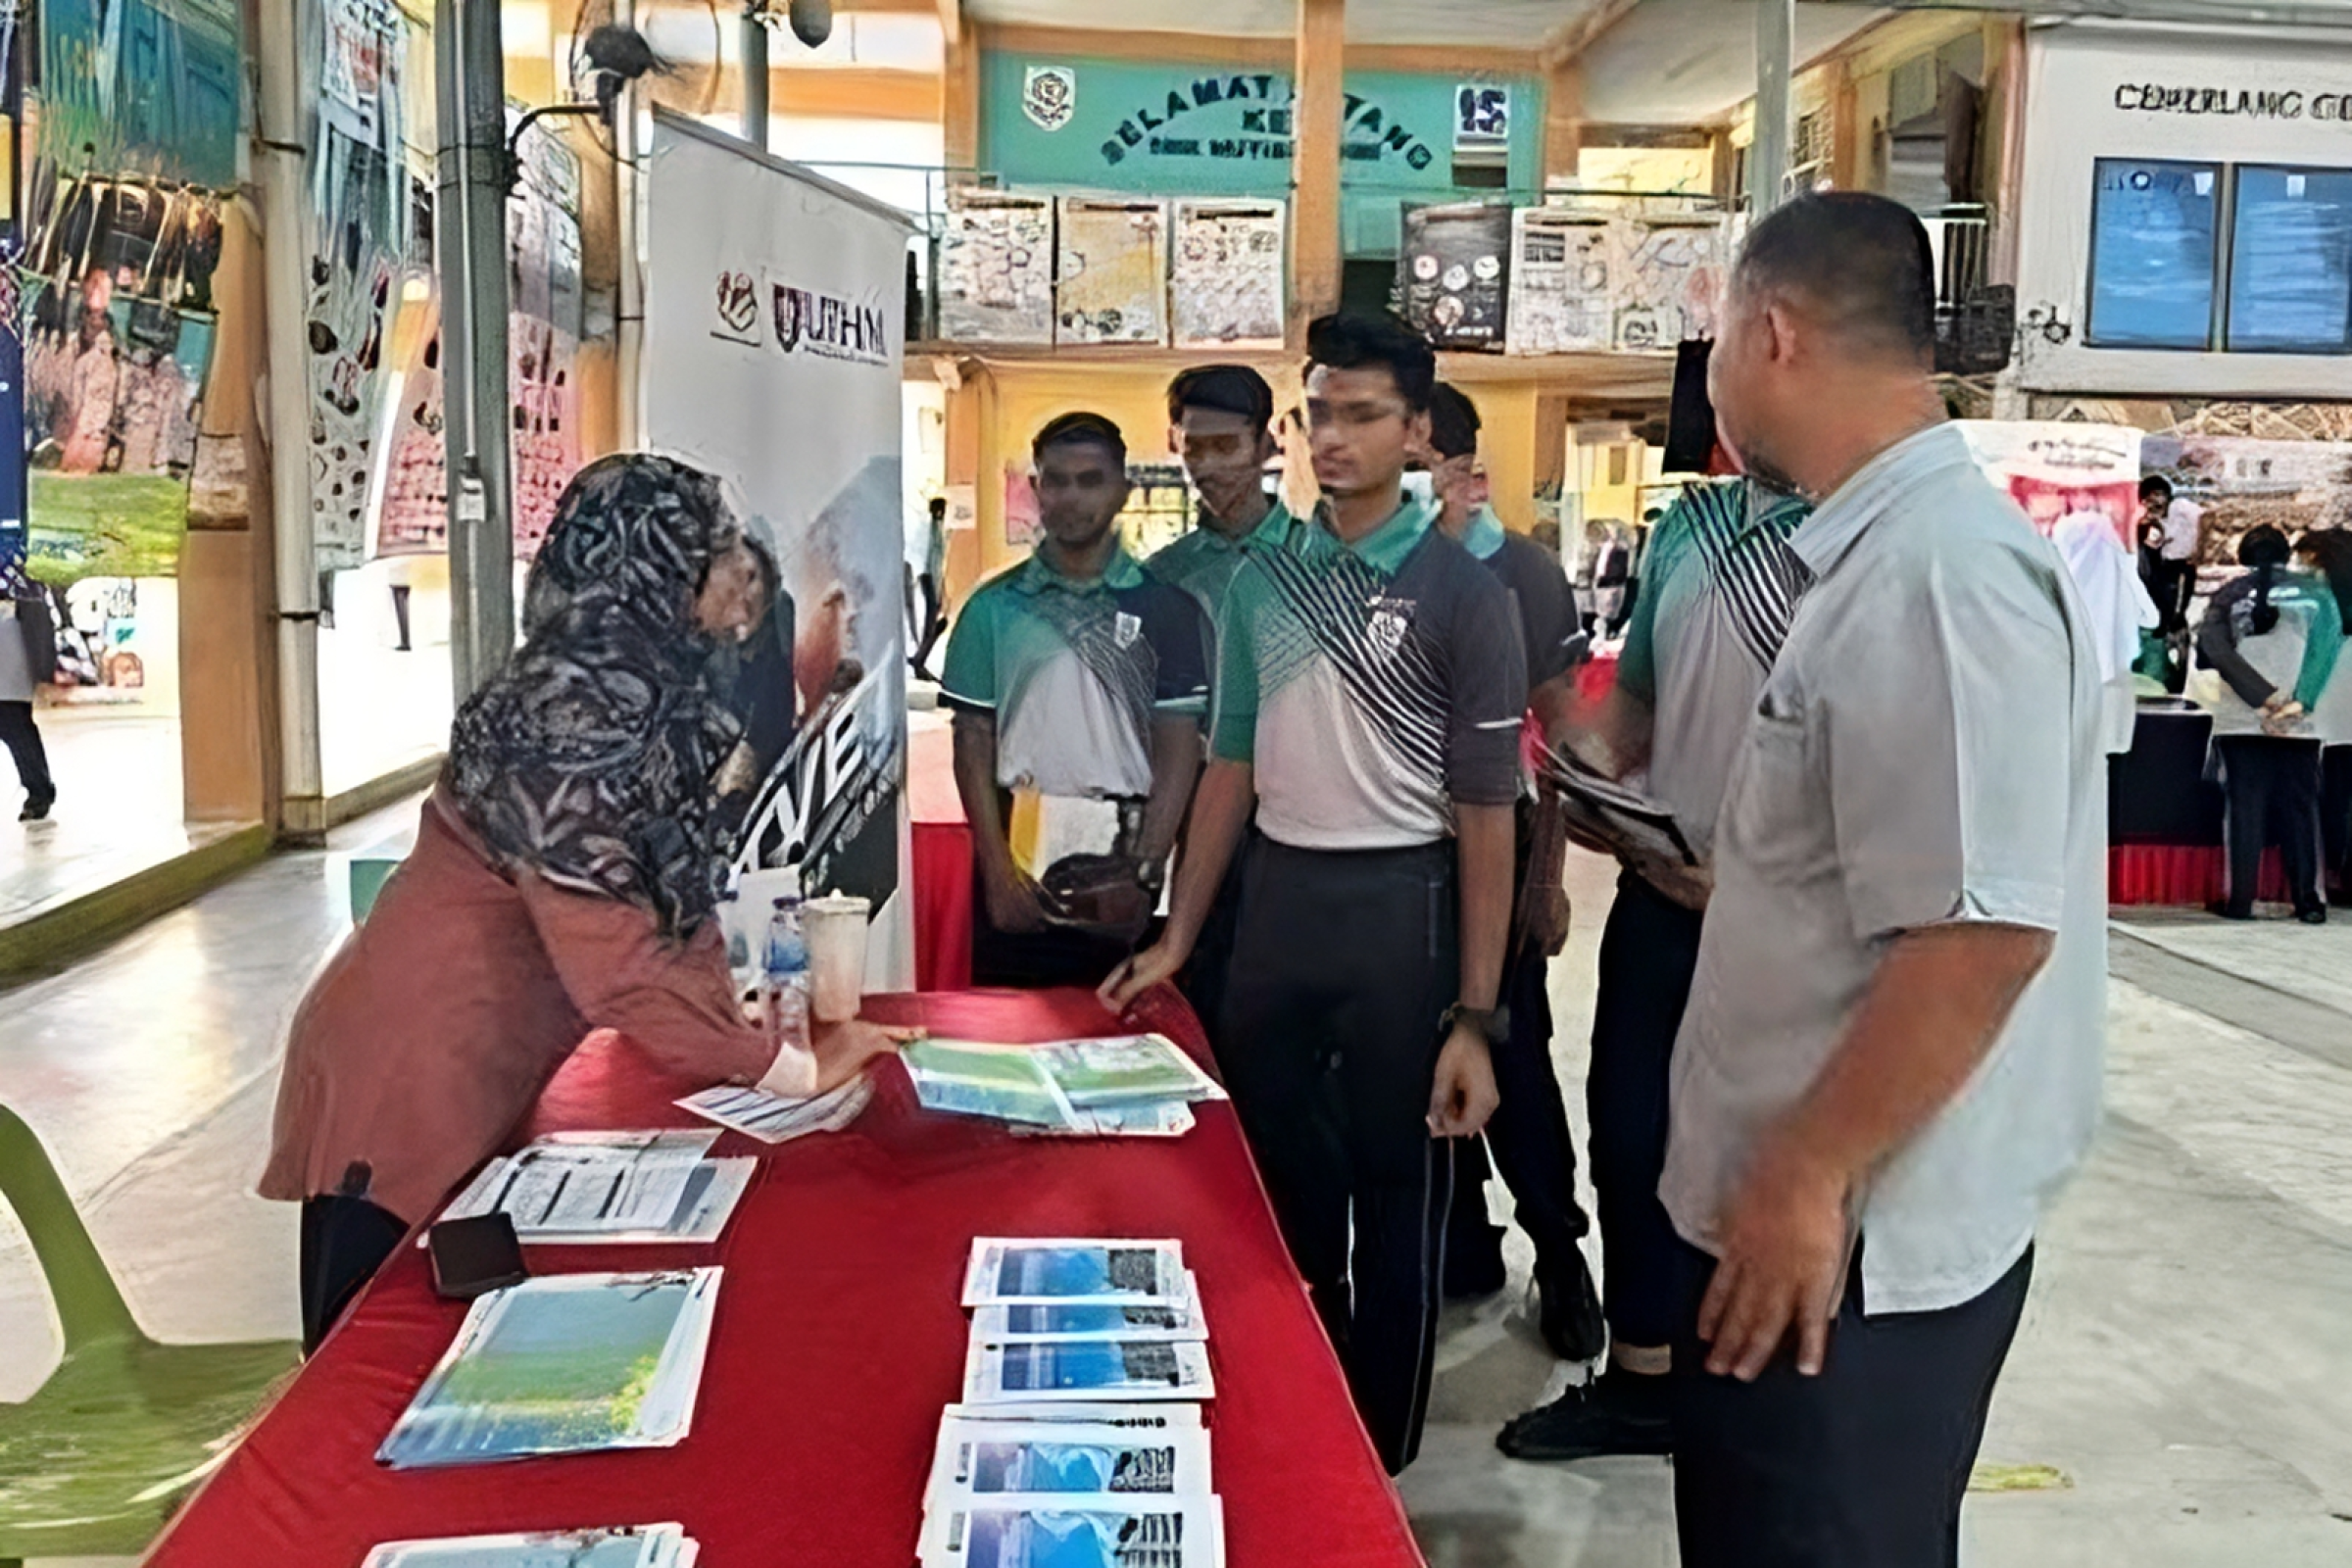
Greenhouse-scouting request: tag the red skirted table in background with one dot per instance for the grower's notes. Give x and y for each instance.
(942, 858)
(838, 1340)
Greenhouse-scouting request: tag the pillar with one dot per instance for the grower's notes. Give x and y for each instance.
(1316, 126)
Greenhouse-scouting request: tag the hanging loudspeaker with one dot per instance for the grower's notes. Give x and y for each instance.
(813, 20)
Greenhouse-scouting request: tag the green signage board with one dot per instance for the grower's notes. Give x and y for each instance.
(1078, 124)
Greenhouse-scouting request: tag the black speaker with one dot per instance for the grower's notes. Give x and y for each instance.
(1691, 417)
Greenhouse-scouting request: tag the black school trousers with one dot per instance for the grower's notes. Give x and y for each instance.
(1864, 1466)
(2271, 793)
(22, 739)
(1344, 964)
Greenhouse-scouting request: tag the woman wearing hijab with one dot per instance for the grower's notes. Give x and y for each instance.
(27, 661)
(563, 880)
(2274, 635)
(2327, 551)
(2116, 603)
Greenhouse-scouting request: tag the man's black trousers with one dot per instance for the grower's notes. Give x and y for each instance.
(1344, 964)
(1864, 1466)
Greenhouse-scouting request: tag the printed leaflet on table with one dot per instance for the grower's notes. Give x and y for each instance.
(1035, 1270)
(610, 1186)
(573, 1363)
(645, 1547)
(779, 1118)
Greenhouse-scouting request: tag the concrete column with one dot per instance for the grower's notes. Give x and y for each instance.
(1319, 110)
(1768, 153)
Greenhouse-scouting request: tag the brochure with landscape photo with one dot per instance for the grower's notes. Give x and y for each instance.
(1045, 1370)
(1172, 1535)
(1007, 1083)
(574, 1363)
(645, 1547)
(1001, 1325)
(1053, 1269)
(1093, 1073)
(986, 1460)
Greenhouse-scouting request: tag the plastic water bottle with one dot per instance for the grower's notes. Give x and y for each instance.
(784, 970)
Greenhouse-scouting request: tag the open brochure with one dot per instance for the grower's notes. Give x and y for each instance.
(1042, 1371)
(1178, 1533)
(644, 1547)
(1095, 1074)
(1004, 1082)
(1130, 1085)
(1052, 1270)
(778, 1118)
(1005, 1324)
(573, 1364)
(1602, 808)
(610, 1186)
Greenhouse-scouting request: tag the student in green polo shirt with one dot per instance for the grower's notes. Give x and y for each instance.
(1529, 1138)
(1370, 688)
(1078, 679)
(1223, 419)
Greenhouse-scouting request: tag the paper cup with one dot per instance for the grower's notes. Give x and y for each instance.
(836, 931)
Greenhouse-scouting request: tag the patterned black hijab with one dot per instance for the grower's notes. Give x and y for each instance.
(593, 758)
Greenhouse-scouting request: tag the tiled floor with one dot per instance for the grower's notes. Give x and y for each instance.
(2185, 1361)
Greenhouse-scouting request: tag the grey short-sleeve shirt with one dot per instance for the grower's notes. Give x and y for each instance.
(1926, 751)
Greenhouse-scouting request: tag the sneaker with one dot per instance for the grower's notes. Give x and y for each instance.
(1474, 1266)
(1568, 1307)
(2317, 914)
(1616, 1412)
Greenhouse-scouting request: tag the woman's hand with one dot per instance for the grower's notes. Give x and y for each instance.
(842, 1049)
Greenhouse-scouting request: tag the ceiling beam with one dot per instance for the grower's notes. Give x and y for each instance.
(1572, 39)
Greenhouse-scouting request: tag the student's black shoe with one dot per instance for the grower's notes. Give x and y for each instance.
(1474, 1261)
(1616, 1412)
(2317, 914)
(2231, 912)
(36, 811)
(1568, 1307)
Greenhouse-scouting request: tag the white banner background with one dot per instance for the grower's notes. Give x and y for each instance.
(774, 327)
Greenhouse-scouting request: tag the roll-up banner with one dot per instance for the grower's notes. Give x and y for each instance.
(774, 327)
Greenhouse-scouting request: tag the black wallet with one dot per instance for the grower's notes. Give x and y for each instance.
(473, 1256)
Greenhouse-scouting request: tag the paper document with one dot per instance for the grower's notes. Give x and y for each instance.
(573, 1364)
(647, 1546)
(989, 1458)
(1618, 816)
(1045, 1370)
(1172, 1535)
(1096, 1073)
(1004, 1082)
(1050, 1270)
(778, 1118)
(610, 1187)
(1116, 1417)
(1001, 1325)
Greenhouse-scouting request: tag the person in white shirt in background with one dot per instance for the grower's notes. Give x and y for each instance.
(2117, 604)
(2327, 551)
(2171, 531)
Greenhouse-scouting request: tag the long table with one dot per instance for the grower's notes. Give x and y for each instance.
(838, 1339)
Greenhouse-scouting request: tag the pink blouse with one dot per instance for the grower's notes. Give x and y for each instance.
(435, 1027)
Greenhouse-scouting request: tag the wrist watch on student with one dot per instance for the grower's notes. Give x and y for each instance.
(1492, 1024)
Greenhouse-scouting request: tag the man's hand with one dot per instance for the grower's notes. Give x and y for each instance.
(1463, 1095)
(2280, 714)
(1547, 919)
(1016, 905)
(1159, 962)
(1787, 1240)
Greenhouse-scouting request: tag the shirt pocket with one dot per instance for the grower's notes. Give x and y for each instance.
(1775, 819)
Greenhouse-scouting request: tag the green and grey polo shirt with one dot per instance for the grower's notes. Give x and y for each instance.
(1075, 673)
(1718, 589)
(1204, 561)
(1372, 686)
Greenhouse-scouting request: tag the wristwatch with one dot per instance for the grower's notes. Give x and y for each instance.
(1491, 1023)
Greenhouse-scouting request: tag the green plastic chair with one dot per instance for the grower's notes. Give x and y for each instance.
(98, 1458)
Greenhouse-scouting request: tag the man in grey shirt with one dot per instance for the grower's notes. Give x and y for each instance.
(1890, 1059)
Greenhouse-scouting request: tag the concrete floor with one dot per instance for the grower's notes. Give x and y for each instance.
(2185, 1362)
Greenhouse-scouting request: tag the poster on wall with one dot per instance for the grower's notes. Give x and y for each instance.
(133, 87)
(1225, 284)
(1565, 270)
(2052, 470)
(543, 334)
(1673, 282)
(796, 404)
(996, 267)
(1111, 279)
(2243, 482)
(1452, 273)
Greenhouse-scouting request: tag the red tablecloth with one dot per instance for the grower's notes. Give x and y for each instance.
(838, 1340)
(2183, 873)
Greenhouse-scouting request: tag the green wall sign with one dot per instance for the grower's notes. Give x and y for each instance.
(1063, 123)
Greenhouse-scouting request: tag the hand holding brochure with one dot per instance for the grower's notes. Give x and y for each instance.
(646, 1547)
(572, 1364)
(1607, 809)
(1056, 1271)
